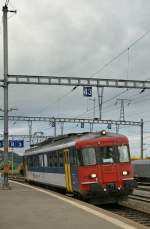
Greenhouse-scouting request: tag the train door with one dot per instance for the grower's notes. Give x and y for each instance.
(67, 171)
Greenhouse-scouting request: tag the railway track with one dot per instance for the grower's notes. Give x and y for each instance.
(143, 188)
(141, 193)
(144, 183)
(140, 198)
(17, 178)
(127, 212)
(135, 215)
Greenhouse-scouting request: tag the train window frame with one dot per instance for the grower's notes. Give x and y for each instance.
(41, 160)
(56, 159)
(101, 151)
(61, 158)
(127, 153)
(50, 159)
(45, 160)
(36, 161)
(30, 162)
(82, 162)
(73, 156)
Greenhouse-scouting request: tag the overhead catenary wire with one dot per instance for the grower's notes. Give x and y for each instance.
(121, 53)
(108, 63)
(106, 101)
(128, 62)
(55, 101)
(127, 90)
(104, 66)
(7, 2)
(139, 98)
(1, 26)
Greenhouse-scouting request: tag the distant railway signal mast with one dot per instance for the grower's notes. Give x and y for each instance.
(122, 110)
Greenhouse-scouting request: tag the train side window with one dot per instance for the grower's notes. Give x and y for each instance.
(61, 158)
(35, 161)
(41, 161)
(50, 159)
(30, 162)
(45, 160)
(55, 158)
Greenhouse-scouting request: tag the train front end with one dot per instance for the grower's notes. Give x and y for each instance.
(105, 171)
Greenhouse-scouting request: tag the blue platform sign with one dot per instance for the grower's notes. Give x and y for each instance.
(13, 143)
(87, 91)
(1, 143)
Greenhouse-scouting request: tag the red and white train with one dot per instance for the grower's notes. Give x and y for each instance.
(94, 166)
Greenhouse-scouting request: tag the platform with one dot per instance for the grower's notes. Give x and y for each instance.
(30, 207)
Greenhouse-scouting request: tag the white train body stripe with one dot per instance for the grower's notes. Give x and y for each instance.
(47, 178)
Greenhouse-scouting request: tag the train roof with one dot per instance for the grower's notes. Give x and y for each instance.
(67, 140)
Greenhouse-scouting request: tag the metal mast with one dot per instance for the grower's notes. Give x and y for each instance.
(5, 46)
(142, 125)
(122, 110)
(5, 85)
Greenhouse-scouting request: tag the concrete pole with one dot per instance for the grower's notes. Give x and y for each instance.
(5, 47)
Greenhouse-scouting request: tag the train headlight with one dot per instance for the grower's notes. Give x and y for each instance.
(103, 132)
(125, 173)
(92, 175)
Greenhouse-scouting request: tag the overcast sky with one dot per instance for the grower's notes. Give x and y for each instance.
(77, 38)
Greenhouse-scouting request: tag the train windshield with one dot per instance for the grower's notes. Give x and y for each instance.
(104, 155)
(123, 153)
(87, 156)
(112, 154)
